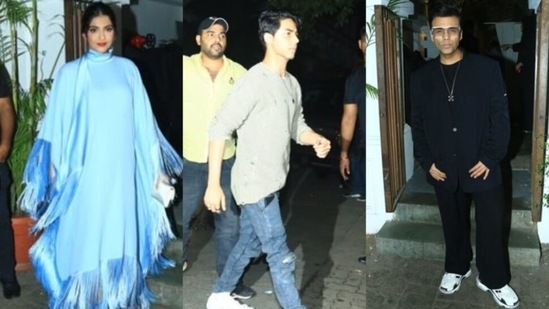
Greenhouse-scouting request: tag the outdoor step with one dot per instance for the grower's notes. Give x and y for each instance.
(423, 240)
(423, 207)
(168, 286)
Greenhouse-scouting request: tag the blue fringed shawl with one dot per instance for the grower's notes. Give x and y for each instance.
(53, 175)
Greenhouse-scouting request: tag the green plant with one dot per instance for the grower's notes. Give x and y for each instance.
(543, 169)
(20, 16)
(392, 5)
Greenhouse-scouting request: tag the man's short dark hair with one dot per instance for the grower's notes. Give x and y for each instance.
(269, 22)
(362, 32)
(443, 9)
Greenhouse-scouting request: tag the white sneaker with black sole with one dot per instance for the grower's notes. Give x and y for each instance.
(505, 296)
(451, 282)
(224, 301)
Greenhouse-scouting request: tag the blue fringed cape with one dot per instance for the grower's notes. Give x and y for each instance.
(89, 183)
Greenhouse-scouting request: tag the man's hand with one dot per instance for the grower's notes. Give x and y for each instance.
(214, 199)
(436, 173)
(518, 67)
(344, 167)
(478, 170)
(4, 152)
(322, 147)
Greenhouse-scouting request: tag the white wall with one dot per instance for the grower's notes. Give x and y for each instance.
(158, 17)
(375, 198)
(50, 43)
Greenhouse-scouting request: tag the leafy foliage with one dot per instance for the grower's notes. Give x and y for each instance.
(312, 10)
(370, 38)
(29, 104)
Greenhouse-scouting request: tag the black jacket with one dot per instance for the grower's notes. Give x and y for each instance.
(478, 130)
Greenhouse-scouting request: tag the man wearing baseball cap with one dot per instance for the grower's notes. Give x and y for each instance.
(208, 76)
(208, 22)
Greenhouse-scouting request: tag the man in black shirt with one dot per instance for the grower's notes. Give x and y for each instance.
(352, 157)
(461, 130)
(352, 154)
(7, 254)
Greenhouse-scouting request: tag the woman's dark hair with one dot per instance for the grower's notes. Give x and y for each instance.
(96, 9)
(443, 9)
(269, 22)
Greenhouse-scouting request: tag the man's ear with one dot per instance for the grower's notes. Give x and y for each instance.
(197, 39)
(268, 38)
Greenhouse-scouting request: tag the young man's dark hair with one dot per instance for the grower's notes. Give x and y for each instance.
(265, 108)
(362, 32)
(269, 22)
(443, 9)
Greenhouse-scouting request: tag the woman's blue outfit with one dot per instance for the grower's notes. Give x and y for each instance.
(89, 184)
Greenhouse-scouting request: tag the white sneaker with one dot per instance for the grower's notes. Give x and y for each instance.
(224, 301)
(184, 267)
(505, 296)
(451, 282)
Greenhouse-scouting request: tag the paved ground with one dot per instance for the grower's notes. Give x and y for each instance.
(34, 297)
(167, 287)
(393, 282)
(325, 231)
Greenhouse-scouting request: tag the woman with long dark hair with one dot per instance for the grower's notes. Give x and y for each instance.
(91, 177)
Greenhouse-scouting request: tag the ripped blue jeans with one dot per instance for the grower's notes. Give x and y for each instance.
(262, 230)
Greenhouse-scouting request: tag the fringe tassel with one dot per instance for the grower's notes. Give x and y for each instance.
(42, 255)
(36, 179)
(157, 233)
(43, 199)
(117, 283)
(160, 230)
(161, 235)
(172, 164)
(59, 200)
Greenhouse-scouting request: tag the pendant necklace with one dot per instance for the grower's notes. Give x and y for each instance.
(450, 91)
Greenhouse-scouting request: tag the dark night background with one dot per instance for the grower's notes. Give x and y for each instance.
(328, 46)
(327, 52)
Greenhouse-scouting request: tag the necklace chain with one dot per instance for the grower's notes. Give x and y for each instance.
(450, 91)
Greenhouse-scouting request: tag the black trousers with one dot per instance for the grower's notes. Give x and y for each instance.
(7, 251)
(492, 254)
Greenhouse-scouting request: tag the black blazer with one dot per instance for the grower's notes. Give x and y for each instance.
(478, 130)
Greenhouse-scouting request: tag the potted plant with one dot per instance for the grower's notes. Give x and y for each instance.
(19, 38)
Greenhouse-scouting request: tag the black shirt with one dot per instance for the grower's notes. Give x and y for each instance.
(5, 90)
(355, 93)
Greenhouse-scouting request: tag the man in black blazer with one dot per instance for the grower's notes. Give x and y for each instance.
(461, 130)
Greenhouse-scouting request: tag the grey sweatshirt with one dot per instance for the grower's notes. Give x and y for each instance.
(266, 112)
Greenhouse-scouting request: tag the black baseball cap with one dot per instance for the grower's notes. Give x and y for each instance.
(210, 21)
